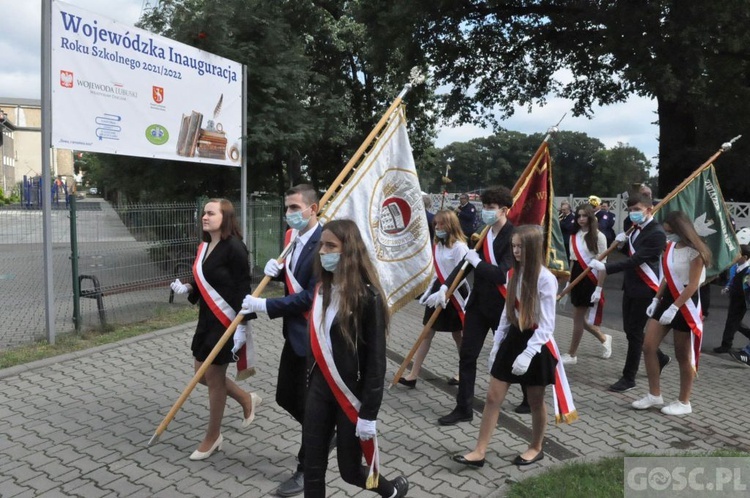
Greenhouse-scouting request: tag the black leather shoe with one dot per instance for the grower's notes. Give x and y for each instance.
(401, 483)
(471, 463)
(622, 386)
(663, 362)
(293, 486)
(453, 381)
(722, 349)
(455, 417)
(523, 408)
(522, 461)
(411, 384)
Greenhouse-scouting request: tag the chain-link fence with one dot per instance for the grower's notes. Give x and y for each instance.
(127, 256)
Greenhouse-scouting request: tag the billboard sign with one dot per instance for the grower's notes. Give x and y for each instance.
(122, 90)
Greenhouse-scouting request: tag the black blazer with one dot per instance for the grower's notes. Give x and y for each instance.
(648, 245)
(361, 368)
(228, 271)
(292, 306)
(484, 294)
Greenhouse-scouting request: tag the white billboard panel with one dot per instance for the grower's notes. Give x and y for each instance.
(123, 90)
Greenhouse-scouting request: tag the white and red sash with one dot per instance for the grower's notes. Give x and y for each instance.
(691, 311)
(596, 313)
(562, 396)
(219, 307)
(489, 256)
(346, 399)
(292, 285)
(459, 303)
(643, 270)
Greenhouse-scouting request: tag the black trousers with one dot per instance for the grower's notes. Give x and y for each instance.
(290, 389)
(634, 320)
(476, 326)
(735, 314)
(323, 414)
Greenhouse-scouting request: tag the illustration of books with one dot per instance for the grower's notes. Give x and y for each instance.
(190, 130)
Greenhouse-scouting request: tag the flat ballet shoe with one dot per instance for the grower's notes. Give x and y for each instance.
(471, 463)
(411, 384)
(202, 455)
(256, 401)
(519, 460)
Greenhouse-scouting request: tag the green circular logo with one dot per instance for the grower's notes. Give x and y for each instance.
(157, 134)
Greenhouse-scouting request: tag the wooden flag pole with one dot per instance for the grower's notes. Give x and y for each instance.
(438, 309)
(415, 78)
(724, 147)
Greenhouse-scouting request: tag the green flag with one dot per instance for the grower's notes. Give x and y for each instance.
(702, 201)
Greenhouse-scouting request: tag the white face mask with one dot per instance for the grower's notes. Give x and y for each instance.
(673, 237)
(489, 216)
(330, 261)
(296, 220)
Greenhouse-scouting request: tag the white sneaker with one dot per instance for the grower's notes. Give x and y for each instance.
(677, 408)
(607, 345)
(648, 401)
(569, 360)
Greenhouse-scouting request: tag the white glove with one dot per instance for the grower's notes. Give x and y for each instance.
(473, 258)
(365, 429)
(596, 295)
(521, 365)
(423, 299)
(437, 298)
(253, 304)
(668, 315)
(652, 307)
(273, 268)
(621, 237)
(240, 337)
(178, 287)
(724, 290)
(597, 265)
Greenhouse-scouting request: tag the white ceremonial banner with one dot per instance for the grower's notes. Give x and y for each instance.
(122, 90)
(384, 198)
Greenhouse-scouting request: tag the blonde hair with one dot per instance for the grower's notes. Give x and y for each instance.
(531, 240)
(452, 228)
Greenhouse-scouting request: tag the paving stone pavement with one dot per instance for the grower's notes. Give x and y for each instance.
(79, 424)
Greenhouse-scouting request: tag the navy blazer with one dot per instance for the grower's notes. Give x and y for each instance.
(293, 306)
(648, 245)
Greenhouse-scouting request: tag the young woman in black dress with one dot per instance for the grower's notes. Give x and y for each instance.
(221, 278)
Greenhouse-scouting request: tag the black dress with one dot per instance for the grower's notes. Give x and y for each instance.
(228, 271)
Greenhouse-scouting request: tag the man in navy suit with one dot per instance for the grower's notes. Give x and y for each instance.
(644, 247)
(302, 206)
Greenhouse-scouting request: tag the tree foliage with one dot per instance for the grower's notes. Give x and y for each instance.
(691, 57)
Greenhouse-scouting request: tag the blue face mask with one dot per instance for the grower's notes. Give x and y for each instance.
(441, 234)
(330, 261)
(673, 237)
(489, 216)
(296, 220)
(636, 217)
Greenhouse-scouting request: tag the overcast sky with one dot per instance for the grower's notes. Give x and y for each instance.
(630, 122)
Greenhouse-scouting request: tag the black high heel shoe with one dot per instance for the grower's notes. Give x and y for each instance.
(411, 384)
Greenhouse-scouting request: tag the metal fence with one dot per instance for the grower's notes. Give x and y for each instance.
(126, 258)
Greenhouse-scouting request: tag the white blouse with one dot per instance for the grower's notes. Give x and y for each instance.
(547, 289)
(448, 258)
(601, 246)
(680, 264)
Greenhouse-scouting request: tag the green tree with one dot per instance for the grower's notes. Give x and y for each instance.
(691, 57)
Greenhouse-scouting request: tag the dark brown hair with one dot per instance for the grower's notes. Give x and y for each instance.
(592, 237)
(681, 225)
(230, 226)
(354, 272)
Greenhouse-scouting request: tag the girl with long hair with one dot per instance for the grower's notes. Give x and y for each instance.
(449, 250)
(346, 365)
(585, 244)
(676, 307)
(519, 353)
(221, 278)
